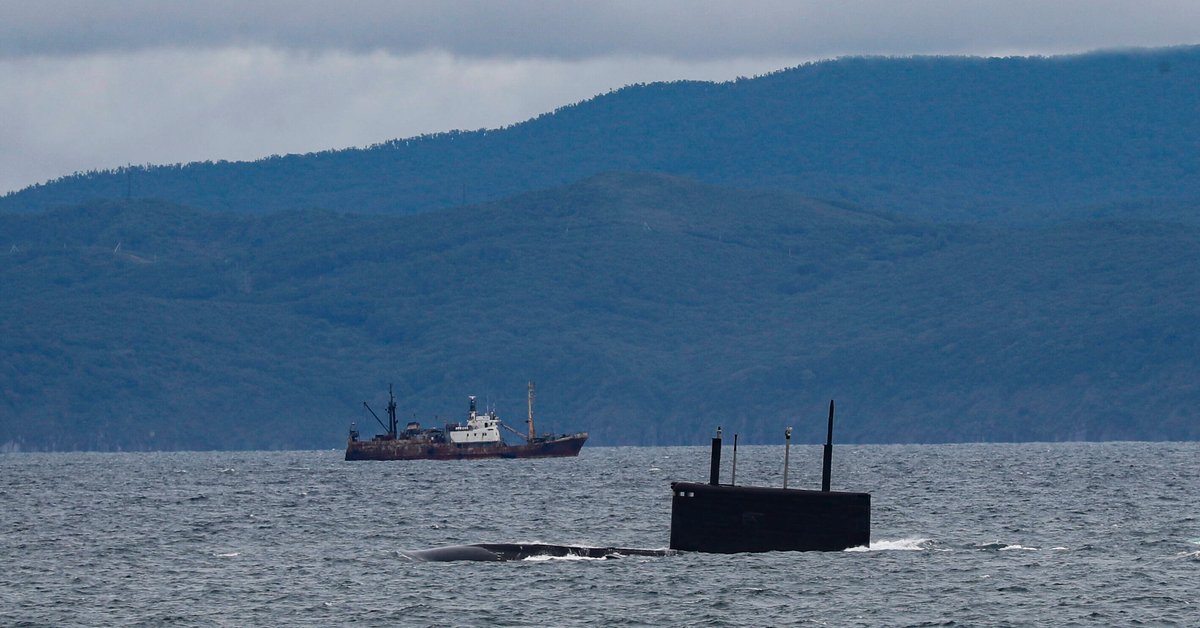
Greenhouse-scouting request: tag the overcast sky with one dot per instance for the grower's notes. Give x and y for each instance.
(98, 84)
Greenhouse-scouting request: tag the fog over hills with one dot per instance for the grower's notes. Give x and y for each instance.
(997, 141)
(649, 308)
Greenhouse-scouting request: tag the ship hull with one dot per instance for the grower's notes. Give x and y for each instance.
(400, 449)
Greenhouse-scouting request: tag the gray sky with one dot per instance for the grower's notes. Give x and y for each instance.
(97, 84)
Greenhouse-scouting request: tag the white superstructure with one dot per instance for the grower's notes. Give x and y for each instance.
(480, 428)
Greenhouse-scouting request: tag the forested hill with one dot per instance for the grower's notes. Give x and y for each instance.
(648, 308)
(1000, 140)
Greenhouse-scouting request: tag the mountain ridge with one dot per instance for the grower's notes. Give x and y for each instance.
(648, 308)
(1019, 140)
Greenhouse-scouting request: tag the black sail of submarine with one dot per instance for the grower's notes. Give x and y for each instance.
(724, 518)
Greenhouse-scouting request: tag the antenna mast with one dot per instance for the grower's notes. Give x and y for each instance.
(827, 458)
(391, 408)
(529, 421)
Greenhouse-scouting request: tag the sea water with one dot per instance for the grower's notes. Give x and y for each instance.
(1023, 534)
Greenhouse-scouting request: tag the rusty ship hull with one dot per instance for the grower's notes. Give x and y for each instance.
(403, 449)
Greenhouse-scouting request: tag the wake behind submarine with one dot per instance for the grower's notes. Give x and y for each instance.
(722, 518)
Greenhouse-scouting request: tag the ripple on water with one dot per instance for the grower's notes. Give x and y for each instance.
(964, 534)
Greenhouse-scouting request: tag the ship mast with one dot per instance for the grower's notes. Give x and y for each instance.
(391, 408)
(529, 421)
(392, 424)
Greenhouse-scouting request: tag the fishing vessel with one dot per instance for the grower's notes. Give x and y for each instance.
(479, 437)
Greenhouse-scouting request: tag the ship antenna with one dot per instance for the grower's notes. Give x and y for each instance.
(530, 419)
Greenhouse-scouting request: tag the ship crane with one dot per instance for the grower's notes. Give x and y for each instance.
(391, 408)
(532, 435)
(505, 426)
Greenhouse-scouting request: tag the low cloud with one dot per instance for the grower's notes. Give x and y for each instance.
(103, 84)
(678, 29)
(169, 106)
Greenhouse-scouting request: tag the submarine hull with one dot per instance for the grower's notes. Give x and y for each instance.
(485, 552)
(727, 519)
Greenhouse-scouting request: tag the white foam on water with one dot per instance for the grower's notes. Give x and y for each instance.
(899, 545)
(1007, 548)
(537, 542)
(544, 558)
(228, 555)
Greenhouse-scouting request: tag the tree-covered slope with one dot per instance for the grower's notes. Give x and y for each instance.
(1003, 140)
(648, 308)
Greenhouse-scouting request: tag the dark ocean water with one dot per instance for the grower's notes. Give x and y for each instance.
(1030, 534)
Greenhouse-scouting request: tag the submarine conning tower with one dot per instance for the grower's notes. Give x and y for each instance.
(726, 518)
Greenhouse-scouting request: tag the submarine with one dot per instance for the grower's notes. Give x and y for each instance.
(727, 518)
(722, 519)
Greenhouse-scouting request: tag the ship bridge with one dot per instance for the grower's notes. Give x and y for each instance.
(480, 428)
